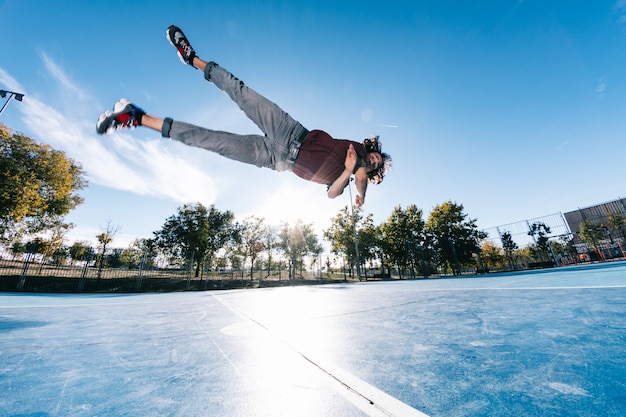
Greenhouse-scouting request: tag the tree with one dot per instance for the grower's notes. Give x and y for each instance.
(340, 234)
(492, 255)
(196, 233)
(539, 232)
(403, 239)
(617, 223)
(509, 247)
(253, 233)
(53, 244)
(563, 248)
(141, 253)
(18, 249)
(38, 185)
(296, 242)
(590, 233)
(369, 238)
(114, 259)
(80, 251)
(455, 237)
(50, 247)
(56, 239)
(270, 243)
(104, 239)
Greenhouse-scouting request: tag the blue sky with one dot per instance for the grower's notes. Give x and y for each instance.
(515, 109)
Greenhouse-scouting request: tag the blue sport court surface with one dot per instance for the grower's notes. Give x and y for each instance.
(548, 343)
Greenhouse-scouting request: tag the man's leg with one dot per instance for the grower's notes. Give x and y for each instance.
(249, 149)
(152, 122)
(282, 130)
(270, 118)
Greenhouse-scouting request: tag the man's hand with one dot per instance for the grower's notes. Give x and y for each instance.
(351, 159)
(336, 188)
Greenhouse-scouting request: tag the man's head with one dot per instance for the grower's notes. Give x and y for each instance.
(377, 162)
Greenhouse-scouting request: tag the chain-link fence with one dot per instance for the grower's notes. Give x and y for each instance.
(520, 231)
(36, 272)
(564, 245)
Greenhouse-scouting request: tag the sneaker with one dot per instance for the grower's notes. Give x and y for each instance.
(178, 39)
(124, 116)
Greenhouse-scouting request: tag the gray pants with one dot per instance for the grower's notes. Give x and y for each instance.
(277, 150)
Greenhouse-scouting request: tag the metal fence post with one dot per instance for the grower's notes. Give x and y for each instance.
(22, 281)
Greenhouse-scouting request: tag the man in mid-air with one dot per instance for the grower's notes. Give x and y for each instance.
(286, 146)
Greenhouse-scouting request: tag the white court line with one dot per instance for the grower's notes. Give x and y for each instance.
(573, 287)
(366, 397)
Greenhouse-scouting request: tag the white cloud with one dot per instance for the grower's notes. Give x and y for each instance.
(601, 87)
(62, 78)
(120, 161)
(620, 10)
(152, 166)
(367, 115)
(9, 82)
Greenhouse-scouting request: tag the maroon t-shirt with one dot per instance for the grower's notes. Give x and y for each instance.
(322, 159)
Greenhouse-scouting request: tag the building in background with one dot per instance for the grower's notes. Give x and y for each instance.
(599, 214)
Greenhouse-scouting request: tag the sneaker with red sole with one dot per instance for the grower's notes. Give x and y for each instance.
(178, 39)
(125, 115)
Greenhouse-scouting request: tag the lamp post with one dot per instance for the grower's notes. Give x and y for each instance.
(3, 94)
(356, 241)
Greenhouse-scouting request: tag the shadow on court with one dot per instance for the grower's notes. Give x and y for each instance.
(533, 344)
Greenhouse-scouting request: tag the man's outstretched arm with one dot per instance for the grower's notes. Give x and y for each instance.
(361, 186)
(342, 181)
(336, 188)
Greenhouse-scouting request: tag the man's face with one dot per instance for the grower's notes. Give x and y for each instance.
(373, 161)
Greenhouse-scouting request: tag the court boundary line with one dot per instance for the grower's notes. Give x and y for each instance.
(575, 287)
(366, 397)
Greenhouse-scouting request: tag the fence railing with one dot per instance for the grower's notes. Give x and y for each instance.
(31, 272)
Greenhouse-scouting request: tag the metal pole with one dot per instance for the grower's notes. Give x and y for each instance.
(356, 241)
(6, 102)
(3, 93)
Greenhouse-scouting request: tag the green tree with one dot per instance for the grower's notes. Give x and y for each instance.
(80, 251)
(253, 234)
(38, 185)
(56, 239)
(59, 255)
(617, 223)
(455, 237)
(563, 247)
(114, 258)
(50, 247)
(131, 256)
(591, 233)
(369, 237)
(196, 233)
(539, 232)
(141, 253)
(340, 234)
(36, 246)
(296, 242)
(270, 243)
(493, 255)
(18, 249)
(104, 240)
(509, 247)
(403, 239)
